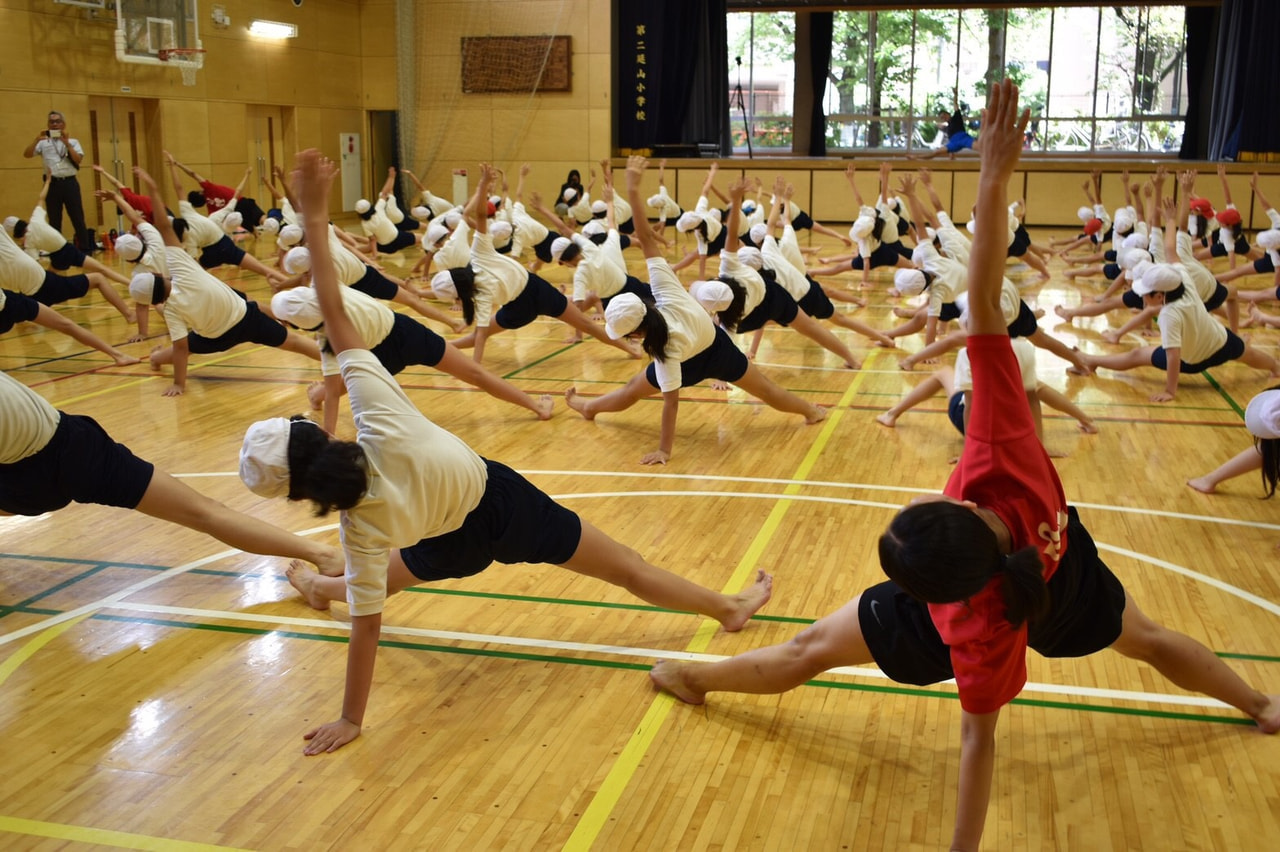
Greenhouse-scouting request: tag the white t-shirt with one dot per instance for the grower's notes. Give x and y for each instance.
(423, 481)
(1195, 273)
(790, 247)
(287, 213)
(499, 279)
(219, 216)
(868, 244)
(581, 209)
(197, 301)
(621, 208)
(40, 234)
(18, 270)
(348, 265)
(202, 231)
(456, 251)
(378, 225)
(437, 205)
(1185, 324)
(373, 321)
(752, 283)
(952, 279)
(714, 225)
(27, 420)
(791, 279)
(689, 327)
(531, 231)
(954, 243)
(152, 259)
(667, 209)
(599, 270)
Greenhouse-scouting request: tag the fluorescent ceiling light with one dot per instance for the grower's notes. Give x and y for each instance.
(273, 29)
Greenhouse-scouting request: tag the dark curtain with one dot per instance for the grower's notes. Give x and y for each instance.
(673, 85)
(1246, 69)
(821, 37)
(1202, 40)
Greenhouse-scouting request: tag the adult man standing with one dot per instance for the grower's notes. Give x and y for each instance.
(62, 155)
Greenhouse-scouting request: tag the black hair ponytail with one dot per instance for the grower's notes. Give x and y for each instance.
(732, 315)
(654, 333)
(1026, 596)
(464, 281)
(331, 474)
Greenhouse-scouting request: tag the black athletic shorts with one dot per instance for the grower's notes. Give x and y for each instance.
(1132, 300)
(403, 240)
(1025, 324)
(410, 342)
(57, 289)
(1086, 612)
(777, 305)
(816, 303)
(1021, 242)
(67, 257)
(1229, 351)
(224, 252)
(17, 308)
(538, 299)
(377, 285)
(82, 463)
(885, 254)
(1219, 296)
(255, 327)
(543, 249)
(721, 360)
(514, 522)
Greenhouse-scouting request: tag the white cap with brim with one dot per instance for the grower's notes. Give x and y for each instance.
(715, 296)
(10, 222)
(435, 234)
(558, 245)
(923, 253)
(862, 227)
(142, 288)
(444, 288)
(757, 233)
(688, 221)
(594, 227)
(751, 257)
(297, 260)
(232, 223)
(1124, 221)
(569, 195)
(264, 457)
(129, 247)
(363, 205)
(268, 226)
(1084, 214)
(1139, 269)
(1136, 241)
(453, 218)
(908, 282)
(299, 307)
(420, 213)
(1160, 278)
(1262, 415)
(623, 315)
(290, 236)
(500, 232)
(599, 207)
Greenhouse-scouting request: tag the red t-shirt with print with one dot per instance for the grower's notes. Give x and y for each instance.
(1004, 468)
(216, 196)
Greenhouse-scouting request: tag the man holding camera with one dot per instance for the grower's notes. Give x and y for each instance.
(62, 155)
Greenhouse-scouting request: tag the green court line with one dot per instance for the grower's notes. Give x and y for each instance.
(26, 557)
(644, 667)
(1231, 402)
(535, 363)
(70, 581)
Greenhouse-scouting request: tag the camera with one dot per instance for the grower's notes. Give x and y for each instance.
(55, 134)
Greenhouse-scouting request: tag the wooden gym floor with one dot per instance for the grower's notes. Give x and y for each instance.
(154, 686)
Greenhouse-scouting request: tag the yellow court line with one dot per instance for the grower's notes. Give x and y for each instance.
(104, 837)
(598, 811)
(25, 653)
(151, 378)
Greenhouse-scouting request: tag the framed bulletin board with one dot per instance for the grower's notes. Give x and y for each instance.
(492, 64)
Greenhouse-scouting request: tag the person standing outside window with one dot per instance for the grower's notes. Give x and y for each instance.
(62, 155)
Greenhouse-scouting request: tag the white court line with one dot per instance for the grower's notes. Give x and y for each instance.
(645, 653)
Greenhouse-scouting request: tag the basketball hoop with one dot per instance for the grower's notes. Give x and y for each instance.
(188, 60)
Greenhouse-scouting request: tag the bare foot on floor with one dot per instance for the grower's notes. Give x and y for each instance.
(333, 564)
(1089, 427)
(154, 358)
(668, 675)
(125, 360)
(1268, 721)
(303, 579)
(315, 395)
(1061, 310)
(575, 401)
(748, 602)
(887, 419)
(545, 405)
(1203, 485)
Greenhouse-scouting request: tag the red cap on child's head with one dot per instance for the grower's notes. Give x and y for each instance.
(1093, 226)
(1229, 217)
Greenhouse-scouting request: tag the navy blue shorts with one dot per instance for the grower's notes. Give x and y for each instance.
(721, 360)
(1111, 271)
(1229, 351)
(816, 303)
(1132, 300)
(82, 463)
(670, 221)
(17, 308)
(886, 254)
(538, 299)
(950, 311)
(67, 257)
(57, 289)
(1110, 256)
(627, 227)
(403, 240)
(408, 223)
(1025, 324)
(543, 249)
(1219, 250)
(224, 252)
(777, 305)
(409, 342)
(1264, 265)
(1086, 613)
(377, 285)
(1021, 242)
(717, 245)
(1219, 296)
(514, 522)
(955, 411)
(802, 222)
(254, 327)
(635, 287)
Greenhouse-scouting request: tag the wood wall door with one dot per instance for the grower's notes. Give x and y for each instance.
(122, 134)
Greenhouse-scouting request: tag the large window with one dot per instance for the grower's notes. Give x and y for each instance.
(1096, 79)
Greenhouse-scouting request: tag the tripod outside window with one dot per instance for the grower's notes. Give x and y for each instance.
(741, 103)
